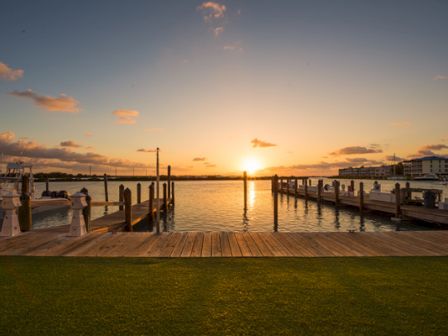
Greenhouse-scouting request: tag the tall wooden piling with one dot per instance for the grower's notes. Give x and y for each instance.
(25, 185)
(397, 200)
(245, 189)
(25, 216)
(172, 193)
(309, 182)
(151, 203)
(352, 186)
(336, 192)
(408, 192)
(361, 197)
(275, 183)
(128, 209)
(305, 184)
(139, 193)
(169, 181)
(319, 190)
(121, 197)
(296, 188)
(106, 191)
(165, 204)
(47, 185)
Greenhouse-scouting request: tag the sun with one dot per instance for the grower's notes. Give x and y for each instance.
(251, 165)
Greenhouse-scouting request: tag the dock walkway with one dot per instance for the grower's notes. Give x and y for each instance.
(55, 242)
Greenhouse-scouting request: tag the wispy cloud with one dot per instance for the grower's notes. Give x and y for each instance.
(126, 117)
(198, 159)
(8, 73)
(146, 150)
(440, 77)
(394, 158)
(234, 47)
(209, 165)
(218, 31)
(401, 124)
(429, 150)
(262, 144)
(352, 150)
(70, 143)
(63, 103)
(211, 10)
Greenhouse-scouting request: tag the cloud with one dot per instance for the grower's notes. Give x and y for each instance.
(217, 31)
(356, 150)
(126, 117)
(212, 10)
(437, 147)
(63, 103)
(8, 73)
(88, 134)
(428, 150)
(260, 143)
(209, 165)
(234, 47)
(197, 159)
(70, 143)
(146, 150)
(440, 77)
(401, 124)
(25, 148)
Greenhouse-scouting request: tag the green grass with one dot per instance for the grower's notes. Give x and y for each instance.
(273, 296)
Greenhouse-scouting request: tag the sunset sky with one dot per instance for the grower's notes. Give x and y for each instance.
(298, 87)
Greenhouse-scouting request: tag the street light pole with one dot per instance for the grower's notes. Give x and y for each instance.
(157, 193)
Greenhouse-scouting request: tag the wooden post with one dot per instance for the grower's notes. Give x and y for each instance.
(352, 186)
(169, 182)
(319, 190)
(275, 179)
(408, 192)
(172, 193)
(296, 188)
(305, 184)
(361, 197)
(121, 196)
(151, 203)
(47, 185)
(397, 200)
(336, 192)
(245, 189)
(128, 209)
(25, 216)
(87, 211)
(309, 181)
(25, 185)
(106, 192)
(165, 205)
(139, 193)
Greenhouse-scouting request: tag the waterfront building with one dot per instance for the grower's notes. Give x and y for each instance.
(430, 165)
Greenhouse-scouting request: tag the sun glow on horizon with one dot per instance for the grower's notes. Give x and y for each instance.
(251, 165)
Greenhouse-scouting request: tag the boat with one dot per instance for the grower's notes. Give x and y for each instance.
(12, 181)
(427, 177)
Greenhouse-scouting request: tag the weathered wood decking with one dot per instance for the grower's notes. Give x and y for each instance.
(54, 242)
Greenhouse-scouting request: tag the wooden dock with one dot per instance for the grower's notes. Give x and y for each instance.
(396, 210)
(55, 242)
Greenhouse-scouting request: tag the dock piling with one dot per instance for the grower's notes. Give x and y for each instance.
(275, 183)
(172, 193)
(128, 209)
(139, 193)
(305, 184)
(245, 189)
(10, 226)
(151, 204)
(78, 225)
(165, 204)
(336, 192)
(361, 197)
(319, 190)
(397, 200)
(121, 196)
(25, 216)
(169, 181)
(106, 191)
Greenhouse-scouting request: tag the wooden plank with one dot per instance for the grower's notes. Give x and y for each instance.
(157, 248)
(197, 245)
(188, 247)
(244, 248)
(216, 244)
(170, 245)
(262, 246)
(234, 247)
(180, 245)
(225, 245)
(207, 245)
(255, 251)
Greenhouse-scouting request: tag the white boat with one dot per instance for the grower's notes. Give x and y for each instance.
(427, 177)
(12, 179)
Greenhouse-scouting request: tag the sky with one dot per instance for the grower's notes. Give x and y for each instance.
(288, 87)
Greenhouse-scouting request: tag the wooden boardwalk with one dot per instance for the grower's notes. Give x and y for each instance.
(54, 242)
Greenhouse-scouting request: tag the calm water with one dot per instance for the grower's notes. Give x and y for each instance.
(218, 206)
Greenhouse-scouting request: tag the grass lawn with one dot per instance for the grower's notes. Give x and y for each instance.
(272, 296)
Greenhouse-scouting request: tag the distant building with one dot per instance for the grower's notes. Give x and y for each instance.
(427, 165)
(367, 172)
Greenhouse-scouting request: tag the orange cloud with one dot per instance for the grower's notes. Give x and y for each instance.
(63, 103)
(262, 144)
(126, 117)
(197, 159)
(357, 150)
(146, 150)
(8, 73)
(212, 10)
(69, 143)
